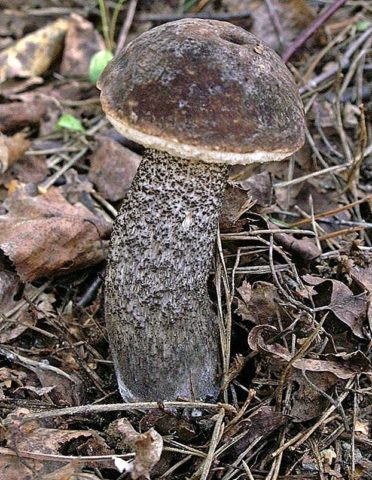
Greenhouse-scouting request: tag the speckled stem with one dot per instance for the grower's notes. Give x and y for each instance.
(163, 329)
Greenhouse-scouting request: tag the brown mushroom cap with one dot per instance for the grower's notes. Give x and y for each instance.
(204, 89)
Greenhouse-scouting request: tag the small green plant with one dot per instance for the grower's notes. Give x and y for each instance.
(109, 21)
(363, 25)
(100, 59)
(69, 122)
(97, 64)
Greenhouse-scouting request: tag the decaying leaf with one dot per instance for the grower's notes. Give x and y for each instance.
(342, 365)
(262, 422)
(12, 467)
(294, 16)
(18, 319)
(113, 168)
(16, 115)
(307, 401)
(30, 438)
(82, 41)
(44, 234)
(148, 447)
(167, 423)
(258, 303)
(34, 53)
(303, 248)
(28, 169)
(349, 308)
(70, 472)
(12, 149)
(363, 277)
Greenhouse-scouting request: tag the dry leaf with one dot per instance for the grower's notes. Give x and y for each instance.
(29, 169)
(294, 16)
(259, 187)
(20, 114)
(45, 235)
(148, 447)
(258, 303)
(32, 55)
(350, 309)
(14, 325)
(12, 149)
(82, 41)
(306, 401)
(69, 472)
(262, 422)
(167, 423)
(29, 437)
(113, 168)
(302, 248)
(13, 467)
(343, 366)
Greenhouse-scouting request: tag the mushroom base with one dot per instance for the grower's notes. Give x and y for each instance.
(163, 329)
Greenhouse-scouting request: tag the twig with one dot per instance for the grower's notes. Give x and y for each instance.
(170, 17)
(276, 22)
(126, 25)
(299, 354)
(313, 27)
(332, 212)
(344, 63)
(216, 436)
(301, 437)
(91, 291)
(126, 407)
(336, 168)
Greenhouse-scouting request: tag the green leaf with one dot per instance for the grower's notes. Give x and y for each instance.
(279, 222)
(362, 25)
(70, 123)
(97, 64)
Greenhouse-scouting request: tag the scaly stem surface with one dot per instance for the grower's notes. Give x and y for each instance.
(163, 329)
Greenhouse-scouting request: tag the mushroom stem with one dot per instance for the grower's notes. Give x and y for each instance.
(162, 327)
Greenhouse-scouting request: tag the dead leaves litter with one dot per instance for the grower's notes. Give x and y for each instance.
(148, 447)
(43, 234)
(343, 366)
(33, 54)
(12, 149)
(339, 299)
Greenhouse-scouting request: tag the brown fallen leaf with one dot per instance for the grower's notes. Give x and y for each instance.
(167, 423)
(33, 54)
(302, 248)
(148, 447)
(12, 149)
(16, 115)
(262, 422)
(70, 472)
(308, 402)
(28, 169)
(82, 41)
(28, 438)
(293, 15)
(259, 187)
(44, 235)
(16, 319)
(339, 299)
(13, 467)
(342, 365)
(113, 168)
(363, 277)
(257, 302)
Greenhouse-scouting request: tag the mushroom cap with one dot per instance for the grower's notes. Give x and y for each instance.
(204, 89)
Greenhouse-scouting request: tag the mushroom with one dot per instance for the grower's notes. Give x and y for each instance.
(199, 95)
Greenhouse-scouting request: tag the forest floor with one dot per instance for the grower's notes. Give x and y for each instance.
(292, 277)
